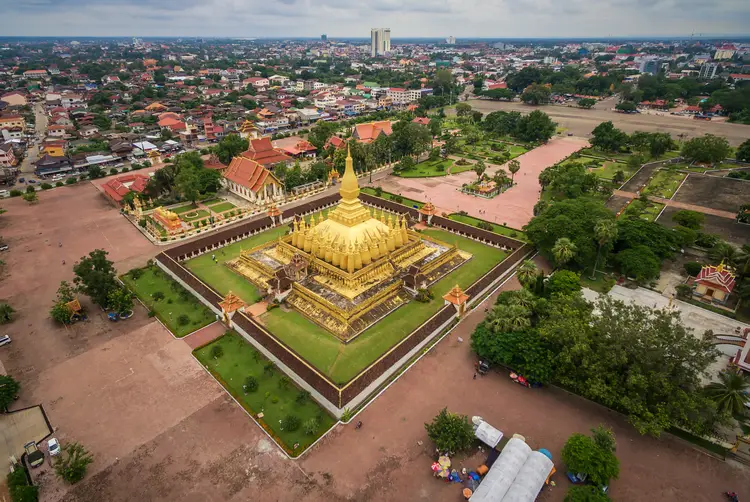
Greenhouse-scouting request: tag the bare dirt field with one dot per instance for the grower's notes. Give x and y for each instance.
(581, 122)
(725, 194)
(162, 429)
(727, 229)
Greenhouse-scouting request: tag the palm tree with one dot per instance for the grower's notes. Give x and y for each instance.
(513, 166)
(479, 169)
(564, 250)
(743, 260)
(522, 297)
(508, 318)
(725, 252)
(527, 273)
(605, 231)
(730, 393)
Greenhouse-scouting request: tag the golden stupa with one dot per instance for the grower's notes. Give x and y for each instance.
(346, 270)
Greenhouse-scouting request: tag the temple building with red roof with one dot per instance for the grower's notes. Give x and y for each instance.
(336, 142)
(116, 189)
(369, 131)
(714, 283)
(295, 147)
(261, 150)
(253, 182)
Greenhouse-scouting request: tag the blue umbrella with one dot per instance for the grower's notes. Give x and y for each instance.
(545, 452)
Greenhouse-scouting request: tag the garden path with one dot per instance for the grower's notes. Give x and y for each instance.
(681, 205)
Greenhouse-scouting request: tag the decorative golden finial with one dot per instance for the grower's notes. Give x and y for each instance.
(349, 190)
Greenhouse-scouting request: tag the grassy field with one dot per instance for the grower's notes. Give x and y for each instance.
(183, 209)
(625, 156)
(601, 283)
(276, 397)
(608, 169)
(342, 362)
(221, 207)
(179, 310)
(220, 277)
(389, 196)
(498, 229)
(644, 211)
(484, 150)
(664, 184)
(194, 215)
(428, 168)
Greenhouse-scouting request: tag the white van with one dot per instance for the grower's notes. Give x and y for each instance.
(4, 193)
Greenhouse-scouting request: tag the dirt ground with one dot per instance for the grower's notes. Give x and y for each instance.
(581, 122)
(729, 230)
(161, 428)
(726, 194)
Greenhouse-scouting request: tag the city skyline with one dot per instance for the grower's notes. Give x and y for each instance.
(339, 19)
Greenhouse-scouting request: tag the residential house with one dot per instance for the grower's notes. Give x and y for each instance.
(49, 165)
(261, 150)
(57, 131)
(88, 131)
(7, 157)
(35, 74)
(253, 182)
(12, 122)
(307, 115)
(71, 100)
(259, 83)
(336, 142)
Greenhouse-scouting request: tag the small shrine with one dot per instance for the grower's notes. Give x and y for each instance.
(169, 220)
(229, 305)
(428, 211)
(714, 283)
(457, 298)
(248, 130)
(154, 156)
(274, 212)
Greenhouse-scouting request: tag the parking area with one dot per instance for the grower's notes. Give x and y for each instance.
(20, 427)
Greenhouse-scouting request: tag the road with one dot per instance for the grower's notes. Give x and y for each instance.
(580, 122)
(40, 129)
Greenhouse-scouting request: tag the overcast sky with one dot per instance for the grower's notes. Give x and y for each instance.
(354, 18)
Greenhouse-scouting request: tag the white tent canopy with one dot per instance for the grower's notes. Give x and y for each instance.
(488, 434)
(517, 475)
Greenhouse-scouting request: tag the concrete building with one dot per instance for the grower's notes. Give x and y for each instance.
(650, 65)
(380, 41)
(708, 70)
(451, 40)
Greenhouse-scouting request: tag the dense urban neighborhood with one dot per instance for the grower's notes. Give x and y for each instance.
(385, 269)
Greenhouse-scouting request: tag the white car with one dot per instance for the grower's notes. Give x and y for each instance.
(53, 446)
(4, 340)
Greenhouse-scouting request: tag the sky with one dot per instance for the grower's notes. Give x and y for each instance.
(354, 18)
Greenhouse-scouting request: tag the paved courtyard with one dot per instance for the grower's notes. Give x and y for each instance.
(514, 207)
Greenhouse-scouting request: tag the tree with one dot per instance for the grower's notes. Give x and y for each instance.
(626, 106)
(527, 273)
(30, 197)
(8, 391)
(582, 455)
(723, 252)
(564, 250)
(608, 138)
(513, 166)
(523, 351)
(605, 231)
(320, 133)
(95, 276)
(6, 313)
(187, 182)
(120, 300)
(743, 152)
(730, 393)
(586, 103)
(230, 146)
(636, 232)
(586, 493)
(506, 318)
(72, 463)
(689, 219)
(95, 172)
(536, 94)
(536, 126)
(639, 262)
(450, 432)
(708, 149)
(563, 282)
(479, 168)
(463, 109)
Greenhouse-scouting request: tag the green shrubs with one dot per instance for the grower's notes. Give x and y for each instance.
(15, 193)
(217, 351)
(693, 268)
(71, 181)
(183, 320)
(19, 488)
(157, 296)
(251, 384)
(311, 426)
(290, 423)
(59, 184)
(45, 186)
(30, 189)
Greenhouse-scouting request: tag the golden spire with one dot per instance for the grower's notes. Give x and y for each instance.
(349, 186)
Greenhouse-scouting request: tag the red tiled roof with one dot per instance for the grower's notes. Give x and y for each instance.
(336, 142)
(248, 173)
(718, 277)
(422, 120)
(294, 145)
(262, 151)
(366, 133)
(119, 187)
(741, 76)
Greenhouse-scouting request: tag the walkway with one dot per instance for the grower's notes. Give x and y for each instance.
(515, 207)
(680, 205)
(205, 335)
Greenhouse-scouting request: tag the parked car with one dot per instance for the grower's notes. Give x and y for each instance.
(32, 181)
(4, 340)
(53, 446)
(3, 247)
(34, 456)
(4, 193)
(21, 180)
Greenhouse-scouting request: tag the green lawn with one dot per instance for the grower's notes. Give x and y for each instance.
(498, 229)
(601, 283)
(183, 209)
(647, 212)
(664, 184)
(428, 168)
(624, 156)
(221, 207)
(276, 397)
(220, 277)
(608, 169)
(196, 214)
(177, 301)
(390, 196)
(341, 362)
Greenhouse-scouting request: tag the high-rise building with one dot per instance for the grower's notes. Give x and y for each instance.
(380, 41)
(324, 37)
(450, 40)
(650, 65)
(708, 70)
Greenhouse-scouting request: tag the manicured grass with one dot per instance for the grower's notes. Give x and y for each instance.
(644, 211)
(196, 214)
(608, 169)
(428, 168)
(498, 229)
(220, 277)
(212, 201)
(341, 362)
(624, 156)
(601, 283)
(664, 184)
(221, 207)
(276, 397)
(184, 209)
(177, 301)
(390, 196)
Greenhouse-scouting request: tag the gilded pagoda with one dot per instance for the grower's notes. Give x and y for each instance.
(345, 270)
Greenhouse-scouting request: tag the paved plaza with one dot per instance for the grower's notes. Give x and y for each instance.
(515, 207)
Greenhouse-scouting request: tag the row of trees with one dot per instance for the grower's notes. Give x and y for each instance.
(532, 128)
